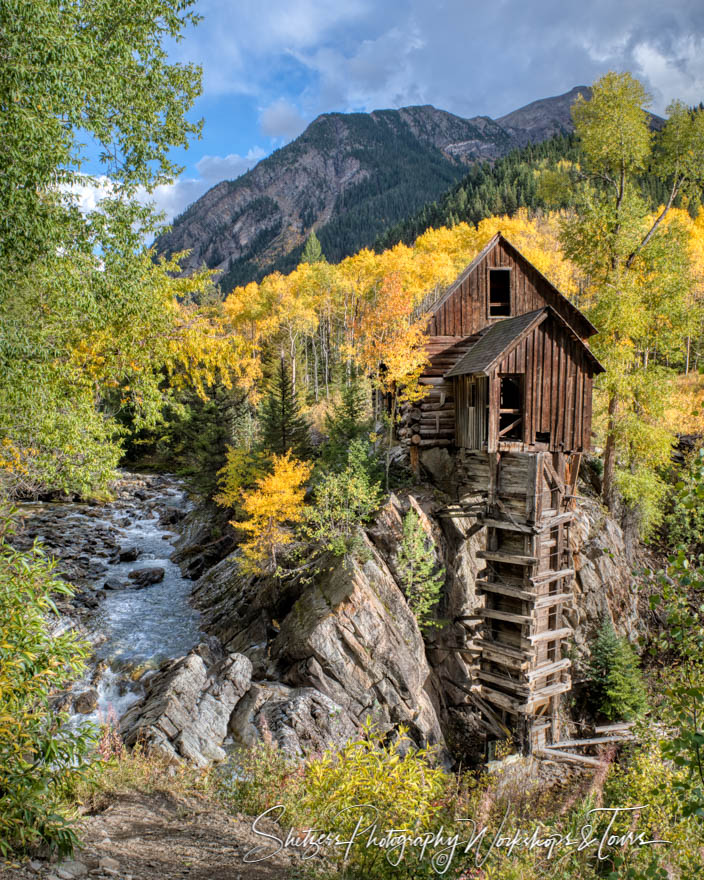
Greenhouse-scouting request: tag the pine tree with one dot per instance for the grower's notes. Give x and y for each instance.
(283, 428)
(421, 576)
(348, 420)
(313, 252)
(618, 691)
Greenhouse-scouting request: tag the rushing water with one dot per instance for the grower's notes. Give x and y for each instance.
(153, 623)
(131, 628)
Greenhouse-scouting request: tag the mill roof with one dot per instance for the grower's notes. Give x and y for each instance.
(497, 340)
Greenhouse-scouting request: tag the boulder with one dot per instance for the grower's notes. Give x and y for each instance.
(86, 702)
(128, 554)
(187, 706)
(145, 577)
(113, 583)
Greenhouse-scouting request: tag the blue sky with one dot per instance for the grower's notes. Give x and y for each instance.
(271, 66)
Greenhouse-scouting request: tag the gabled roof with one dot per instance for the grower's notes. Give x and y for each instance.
(499, 237)
(499, 339)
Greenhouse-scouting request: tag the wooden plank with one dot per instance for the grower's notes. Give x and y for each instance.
(511, 558)
(552, 599)
(548, 668)
(506, 590)
(507, 525)
(593, 741)
(548, 577)
(510, 704)
(551, 690)
(607, 728)
(504, 681)
(508, 616)
(550, 635)
(567, 757)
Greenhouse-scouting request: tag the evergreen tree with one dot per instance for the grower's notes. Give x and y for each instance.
(618, 691)
(283, 428)
(421, 576)
(348, 420)
(312, 252)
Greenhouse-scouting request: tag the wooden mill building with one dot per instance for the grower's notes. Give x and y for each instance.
(510, 394)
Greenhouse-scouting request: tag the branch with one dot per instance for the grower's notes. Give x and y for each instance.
(658, 220)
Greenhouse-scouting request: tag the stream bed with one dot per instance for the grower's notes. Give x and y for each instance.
(131, 599)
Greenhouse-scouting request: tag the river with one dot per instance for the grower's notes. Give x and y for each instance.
(132, 628)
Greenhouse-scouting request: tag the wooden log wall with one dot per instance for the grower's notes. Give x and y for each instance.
(464, 308)
(431, 422)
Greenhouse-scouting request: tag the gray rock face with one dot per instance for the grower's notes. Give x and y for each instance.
(605, 584)
(187, 706)
(301, 721)
(348, 634)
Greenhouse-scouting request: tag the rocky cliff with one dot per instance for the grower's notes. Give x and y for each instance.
(309, 658)
(350, 177)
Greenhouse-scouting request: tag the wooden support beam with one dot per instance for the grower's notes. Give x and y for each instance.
(546, 693)
(550, 635)
(509, 661)
(547, 577)
(548, 668)
(552, 599)
(507, 525)
(506, 590)
(511, 558)
(608, 728)
(510, 704)
(504, 681)
(560, 519)
(593, 741)
(567, 757)
(508, 616)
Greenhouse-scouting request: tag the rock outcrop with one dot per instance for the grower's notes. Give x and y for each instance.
(187, 706)
(337, 643)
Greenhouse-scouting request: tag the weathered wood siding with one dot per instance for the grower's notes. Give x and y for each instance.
(557, 387)
(464, 309)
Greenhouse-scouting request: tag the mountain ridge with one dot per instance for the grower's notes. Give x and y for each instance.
(349, 177)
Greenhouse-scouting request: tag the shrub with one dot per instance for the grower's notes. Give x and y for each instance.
(344, 500)
(422, 578)
(618, 691)
(41, 758)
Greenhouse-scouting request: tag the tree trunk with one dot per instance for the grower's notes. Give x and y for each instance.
(608, 489)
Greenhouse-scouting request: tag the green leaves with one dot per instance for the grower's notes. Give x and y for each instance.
(40, 757)
(421, 576)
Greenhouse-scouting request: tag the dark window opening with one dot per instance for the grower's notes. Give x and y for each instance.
(542, 437)
(499, 293)
(511, 408)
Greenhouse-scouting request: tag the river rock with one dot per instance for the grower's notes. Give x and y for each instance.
(145, 577)
(129, 554)
(71, 870)
(187, 706)
(113, 583)
(86, 702)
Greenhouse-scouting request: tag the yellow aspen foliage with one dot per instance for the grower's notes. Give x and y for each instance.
(272, 507)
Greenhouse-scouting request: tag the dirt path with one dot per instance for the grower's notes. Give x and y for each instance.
(162, 837)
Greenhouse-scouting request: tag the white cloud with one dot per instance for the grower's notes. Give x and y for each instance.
(173, 198)
(281, 120)
(681, 75)
(216, 168)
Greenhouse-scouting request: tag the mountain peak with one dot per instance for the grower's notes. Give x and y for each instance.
(349, 177)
